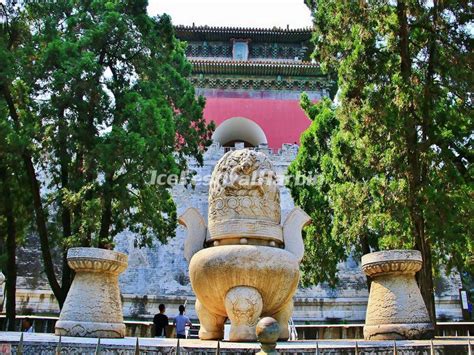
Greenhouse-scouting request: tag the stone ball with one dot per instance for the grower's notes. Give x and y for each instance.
(267, 330)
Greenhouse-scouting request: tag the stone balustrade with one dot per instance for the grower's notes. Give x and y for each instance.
(287, 152)
(145, 328)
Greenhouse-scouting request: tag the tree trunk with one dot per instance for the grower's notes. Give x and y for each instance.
(425, 276)
(11, 274)
(40, 217)
(67, 273)
(364, 243)
(43, 232)
(10, 270)
(106, 219)
(67, 276)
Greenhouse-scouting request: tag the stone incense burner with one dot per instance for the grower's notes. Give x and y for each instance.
(244, 265)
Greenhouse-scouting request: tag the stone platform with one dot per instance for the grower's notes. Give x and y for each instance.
(159, 274)
(47, 344)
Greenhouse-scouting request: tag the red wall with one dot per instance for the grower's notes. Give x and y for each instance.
(283, 121)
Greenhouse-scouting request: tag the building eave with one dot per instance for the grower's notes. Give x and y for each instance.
(276, 35)
(287, 68)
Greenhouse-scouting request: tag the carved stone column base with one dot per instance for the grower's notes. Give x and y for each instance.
(90, 329)
(398, 331)
(395, 309)
(93, 307)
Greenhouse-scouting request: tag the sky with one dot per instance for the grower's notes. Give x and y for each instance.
(236, 13)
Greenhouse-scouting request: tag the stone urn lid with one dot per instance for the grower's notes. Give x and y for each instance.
(392, 262)
(244, 198)
(96, 260)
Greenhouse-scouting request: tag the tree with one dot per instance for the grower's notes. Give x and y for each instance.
(394, 166)
(15, 223)
(8, 224)
(110, 103)
(15, 209)
(314, 159)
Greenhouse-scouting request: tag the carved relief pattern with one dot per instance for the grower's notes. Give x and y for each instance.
(399, 266)
(73, 349)
(315, 84)
(206, 49)
(257, 50)
(93, 259)
(244, 311)
(93, 306)
(372, 349)
(244, 305)
(244, 185)
(389, 262)
(395, 308)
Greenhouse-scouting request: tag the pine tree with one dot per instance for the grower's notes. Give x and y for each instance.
(393, 157)
(15, 204)
(105, 100)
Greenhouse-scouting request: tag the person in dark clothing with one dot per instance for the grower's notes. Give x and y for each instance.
(161, 321)
(27, 326)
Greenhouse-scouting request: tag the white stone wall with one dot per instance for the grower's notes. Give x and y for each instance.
(160, 274)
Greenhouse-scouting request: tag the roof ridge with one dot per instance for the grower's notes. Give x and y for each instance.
(251, 62)
(242, 29)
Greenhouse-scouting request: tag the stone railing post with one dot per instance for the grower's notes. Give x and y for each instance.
(267, 331)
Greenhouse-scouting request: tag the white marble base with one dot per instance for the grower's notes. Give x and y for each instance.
(47, 343)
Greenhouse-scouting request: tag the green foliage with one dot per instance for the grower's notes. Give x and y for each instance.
(392, 157)
(314, 160)
(14, 181)
(12, 175)
(103, 99)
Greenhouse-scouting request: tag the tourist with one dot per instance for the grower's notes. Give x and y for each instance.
(27, 326)
(180, 322)
(161, 321)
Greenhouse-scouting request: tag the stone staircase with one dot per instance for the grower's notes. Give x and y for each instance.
(193, 332)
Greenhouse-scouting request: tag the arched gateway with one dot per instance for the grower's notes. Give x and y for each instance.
(239, 129)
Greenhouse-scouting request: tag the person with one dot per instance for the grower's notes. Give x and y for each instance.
(161, 321)
(27, 325)
(180, 322)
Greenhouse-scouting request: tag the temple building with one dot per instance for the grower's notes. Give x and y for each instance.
(252, 80)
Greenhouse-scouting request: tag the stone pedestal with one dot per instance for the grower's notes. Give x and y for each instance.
(93, 307)
(243, 283)
(244, 265)
(395, 308)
